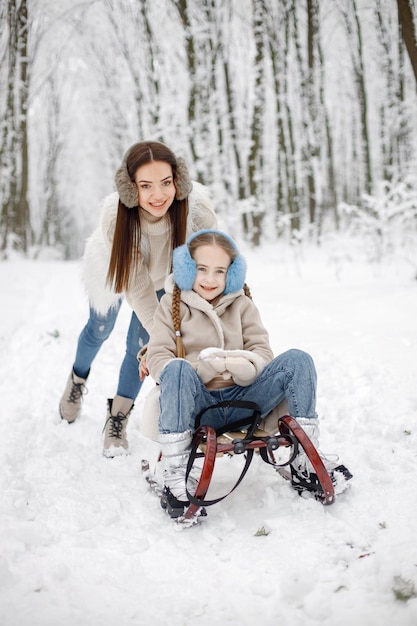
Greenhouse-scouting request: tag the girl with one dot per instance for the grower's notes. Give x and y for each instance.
(155, 208)
(208, 345)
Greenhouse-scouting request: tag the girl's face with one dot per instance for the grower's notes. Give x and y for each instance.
(212, 263)
(156, 189)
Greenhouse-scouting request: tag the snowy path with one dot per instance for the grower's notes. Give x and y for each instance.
(82, 541)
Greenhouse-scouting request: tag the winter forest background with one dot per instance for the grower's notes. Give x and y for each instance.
(300, 115)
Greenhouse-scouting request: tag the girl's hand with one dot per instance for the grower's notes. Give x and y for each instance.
(209, 368)
(242, 370)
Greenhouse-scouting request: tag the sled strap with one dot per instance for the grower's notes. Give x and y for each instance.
(205, 478)
(251, 421)
(270, 447)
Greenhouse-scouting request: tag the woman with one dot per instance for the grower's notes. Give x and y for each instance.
(155, 208)
(208, 345)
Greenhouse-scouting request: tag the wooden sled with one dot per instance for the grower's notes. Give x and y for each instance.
(208, 445)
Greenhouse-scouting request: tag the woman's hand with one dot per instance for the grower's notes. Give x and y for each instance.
(143, 370)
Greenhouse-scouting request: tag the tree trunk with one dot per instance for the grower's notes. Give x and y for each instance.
(252, 220)
(313, 147)
(15, 216)
(190, 52)
(405, 17)
(354, 35)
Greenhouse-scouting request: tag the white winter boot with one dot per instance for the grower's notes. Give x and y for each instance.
(115, 440)
(70, 403)
(303, 476)
(176, 448)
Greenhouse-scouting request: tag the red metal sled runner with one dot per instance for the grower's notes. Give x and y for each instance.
(207, 445)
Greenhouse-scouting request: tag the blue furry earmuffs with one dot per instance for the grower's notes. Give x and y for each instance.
(185, 268)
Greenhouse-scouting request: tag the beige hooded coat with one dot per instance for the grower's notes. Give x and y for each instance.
(230, 328)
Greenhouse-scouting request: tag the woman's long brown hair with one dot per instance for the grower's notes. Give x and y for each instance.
(126, 251)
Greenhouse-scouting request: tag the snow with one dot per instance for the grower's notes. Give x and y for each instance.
(83, 541)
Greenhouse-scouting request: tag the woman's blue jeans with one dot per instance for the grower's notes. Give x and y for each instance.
(291, 375)
(95, 333)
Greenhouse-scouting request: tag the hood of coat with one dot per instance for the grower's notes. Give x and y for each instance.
(192, 300)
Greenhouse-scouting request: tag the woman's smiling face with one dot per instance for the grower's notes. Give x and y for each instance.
(156, 189)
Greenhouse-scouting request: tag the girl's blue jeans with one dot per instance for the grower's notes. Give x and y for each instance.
(95, 333)
(291, 375)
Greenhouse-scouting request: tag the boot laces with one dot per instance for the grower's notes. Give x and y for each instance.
(116, 425)
(77, 390)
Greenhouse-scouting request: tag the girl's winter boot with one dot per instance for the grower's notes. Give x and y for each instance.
(303, 477)
(175, 448)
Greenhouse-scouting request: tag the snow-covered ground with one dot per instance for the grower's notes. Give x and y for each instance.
(82, 540)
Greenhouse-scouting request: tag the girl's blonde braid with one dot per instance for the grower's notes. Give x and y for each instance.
(247, 291)
(176, 302)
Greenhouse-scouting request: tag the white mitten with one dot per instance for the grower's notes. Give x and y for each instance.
(243, 366)
(242, 370)
(209, 367)
(209, 353)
